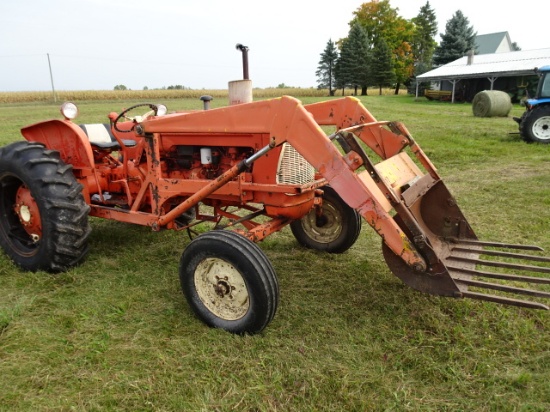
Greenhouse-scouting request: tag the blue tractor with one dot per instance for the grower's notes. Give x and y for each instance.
(534, 124)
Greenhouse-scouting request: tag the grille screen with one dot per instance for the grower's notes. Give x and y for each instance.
(293, 168)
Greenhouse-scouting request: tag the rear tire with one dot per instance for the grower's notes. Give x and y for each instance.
(335, 231)
(229, 282)
(535, 125)
(43, 215)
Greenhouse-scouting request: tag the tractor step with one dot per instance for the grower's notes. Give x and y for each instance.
(466, 256)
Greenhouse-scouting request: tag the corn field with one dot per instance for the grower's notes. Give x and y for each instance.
(81, 95)
(156, 94)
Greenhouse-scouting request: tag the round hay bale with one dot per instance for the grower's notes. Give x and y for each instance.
(491, 103)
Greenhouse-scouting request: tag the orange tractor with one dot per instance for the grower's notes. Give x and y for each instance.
(251, 169)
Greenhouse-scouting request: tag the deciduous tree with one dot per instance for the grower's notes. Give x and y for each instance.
(381, 21)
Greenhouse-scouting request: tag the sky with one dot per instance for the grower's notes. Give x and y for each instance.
(98, 44)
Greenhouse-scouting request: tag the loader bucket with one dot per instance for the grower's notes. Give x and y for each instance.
(459, 269)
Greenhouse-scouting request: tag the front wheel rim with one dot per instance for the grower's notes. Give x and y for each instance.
(325, 228)
(222, 289)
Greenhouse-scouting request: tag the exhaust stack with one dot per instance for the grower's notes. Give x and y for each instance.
(240, 91)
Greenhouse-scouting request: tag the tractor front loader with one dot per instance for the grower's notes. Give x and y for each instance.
(250, 170)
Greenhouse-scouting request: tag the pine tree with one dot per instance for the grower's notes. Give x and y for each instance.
(424, 42)
(359, 45)
(457, 40)
(382, 66)
(326, 70)
(352, 66)
(344, 66)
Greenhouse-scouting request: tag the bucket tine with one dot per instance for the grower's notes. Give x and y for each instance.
(498, 244)
(505, 301)
(516, 278)
(465, 256)
(501, 264)
(503, 254)
(502, 288)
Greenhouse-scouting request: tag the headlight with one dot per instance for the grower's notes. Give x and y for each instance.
(161, 110)
(69, 110)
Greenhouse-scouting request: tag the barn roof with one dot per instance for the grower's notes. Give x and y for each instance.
(516, 63)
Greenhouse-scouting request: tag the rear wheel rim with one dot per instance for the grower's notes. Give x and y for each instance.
(541, 128)
(222, 289)
(29, 215)
(20, 223)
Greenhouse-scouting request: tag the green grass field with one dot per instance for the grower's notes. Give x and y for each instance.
(116, 333)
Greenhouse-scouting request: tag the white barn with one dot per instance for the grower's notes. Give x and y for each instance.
(499, 71)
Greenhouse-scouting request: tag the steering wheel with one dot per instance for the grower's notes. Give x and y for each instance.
(154, 110)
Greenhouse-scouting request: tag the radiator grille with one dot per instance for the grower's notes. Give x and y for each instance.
(293, 168)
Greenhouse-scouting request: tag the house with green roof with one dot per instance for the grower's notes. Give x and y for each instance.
(493, 43)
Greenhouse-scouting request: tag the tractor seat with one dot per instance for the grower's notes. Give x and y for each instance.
(100, 135)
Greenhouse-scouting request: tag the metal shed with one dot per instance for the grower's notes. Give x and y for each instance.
(490, 66)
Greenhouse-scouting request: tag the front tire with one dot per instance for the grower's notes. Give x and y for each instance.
(334, 231)
(228, 282)
(535, 125)
(43, 215)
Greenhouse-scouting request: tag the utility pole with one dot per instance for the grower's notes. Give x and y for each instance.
(51, 78)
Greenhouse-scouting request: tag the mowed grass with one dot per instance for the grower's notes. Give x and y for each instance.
(116, 333)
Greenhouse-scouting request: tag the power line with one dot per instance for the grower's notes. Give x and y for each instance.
(51, 78)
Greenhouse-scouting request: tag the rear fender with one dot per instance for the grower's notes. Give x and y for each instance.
(66, 138)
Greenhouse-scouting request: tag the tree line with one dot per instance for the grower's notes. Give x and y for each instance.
(383, 49)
